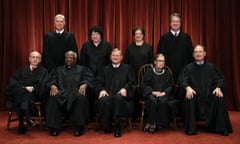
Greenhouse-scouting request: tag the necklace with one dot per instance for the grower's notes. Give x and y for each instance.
(158, 73)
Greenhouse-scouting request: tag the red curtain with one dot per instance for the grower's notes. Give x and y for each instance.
(213, 23)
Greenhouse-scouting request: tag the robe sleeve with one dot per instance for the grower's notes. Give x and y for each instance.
(46, 60)
(83, 55)
(162, 46)
(88, 78)
(40, 88)
(183, 79)
(150, 55)
(169, 82)
(14, 84)
(72, 44)
(131, 84)
(100, 82)
(218, 79)
(146, 83)
(126, 60)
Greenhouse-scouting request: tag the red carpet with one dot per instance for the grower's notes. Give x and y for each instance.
(134, 136)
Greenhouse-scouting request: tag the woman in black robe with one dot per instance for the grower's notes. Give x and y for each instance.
(95, 54)
(156, 88)
(137, 54)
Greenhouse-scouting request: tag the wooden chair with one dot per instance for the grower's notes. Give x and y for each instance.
(141, 73)
(38, 118)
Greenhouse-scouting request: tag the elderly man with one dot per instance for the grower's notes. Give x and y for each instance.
(204, 96)
(27, 85)
(116, 87)
(68, 95)
(56, 43)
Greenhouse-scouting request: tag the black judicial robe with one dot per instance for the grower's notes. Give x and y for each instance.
(95, 58)
(136, 56)
(177, 50)
(68, 82)
(24, 77)
(157, 108)
(54, 48)
(112, 80)
(68, 101)
(204, 79)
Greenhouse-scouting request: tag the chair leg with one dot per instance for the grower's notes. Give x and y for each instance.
(142, 117)
(97, 123)
(175, 123)
(130, 122)
(39, 117)
(9, 119)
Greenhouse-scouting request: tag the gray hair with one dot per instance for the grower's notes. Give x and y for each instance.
(71, 52)
(158, 55)
(61, 16)
(116, 49)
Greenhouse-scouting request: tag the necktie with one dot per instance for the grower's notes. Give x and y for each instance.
(58, 34)
(32, 69)
(175, 34)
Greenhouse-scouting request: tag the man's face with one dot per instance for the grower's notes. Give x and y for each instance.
(116, 57)
(199, 53)
(59, 23)
(138, 35)
(70, 60)
(95, 37)
(34, 58)
(159, 62)
(175, 23)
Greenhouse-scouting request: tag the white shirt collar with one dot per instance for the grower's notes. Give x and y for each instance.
(60, 31)
(116, 65)
(173, 32)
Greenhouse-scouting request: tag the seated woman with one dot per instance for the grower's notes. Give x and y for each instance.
(156, 87)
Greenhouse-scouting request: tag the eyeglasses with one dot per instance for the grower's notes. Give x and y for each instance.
(159, 60)
(37, 57)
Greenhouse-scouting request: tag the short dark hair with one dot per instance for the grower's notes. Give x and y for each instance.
(138, 28)
(176, 15)
(95, 29)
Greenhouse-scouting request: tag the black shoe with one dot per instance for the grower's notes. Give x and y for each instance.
(54, 132)
(146, 128)
(21, 129)
(30, 123)
(191, 133)
(152, 130)
(225, 133)
(117, 132)
(78, 131)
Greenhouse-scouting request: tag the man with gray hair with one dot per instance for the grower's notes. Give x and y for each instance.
(56, 43)
(68, 95)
